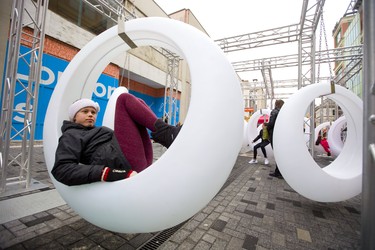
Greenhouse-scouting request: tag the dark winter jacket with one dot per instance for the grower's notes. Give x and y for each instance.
(83, 152)
(271, 122)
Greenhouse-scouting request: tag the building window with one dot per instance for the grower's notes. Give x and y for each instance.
(338, 37)
(79, 13)
(333, 112)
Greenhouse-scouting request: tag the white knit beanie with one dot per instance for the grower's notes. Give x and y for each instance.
(80, 104)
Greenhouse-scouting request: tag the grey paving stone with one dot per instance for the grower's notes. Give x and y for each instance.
(235, 243)
(180, 236)
(70, 238)
(191, 225)
(113, 242)
(219, 244)
(139, 239)
(202, 245)
(250, 242)
(218, 225)
(250, 204)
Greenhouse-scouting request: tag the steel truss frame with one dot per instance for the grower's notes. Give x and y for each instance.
(171, 87)
(25, 14)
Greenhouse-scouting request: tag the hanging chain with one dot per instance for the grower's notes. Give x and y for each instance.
(320, 48)
(326, 43)
(324, 34)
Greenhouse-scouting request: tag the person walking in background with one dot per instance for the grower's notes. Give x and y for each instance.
(271, 125)
(322, 140)
(263, 134)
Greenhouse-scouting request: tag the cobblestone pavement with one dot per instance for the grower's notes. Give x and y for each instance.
(251, 211)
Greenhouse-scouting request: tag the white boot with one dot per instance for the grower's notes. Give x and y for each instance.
(266, 161)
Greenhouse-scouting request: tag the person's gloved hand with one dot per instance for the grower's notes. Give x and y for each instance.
(111, 174)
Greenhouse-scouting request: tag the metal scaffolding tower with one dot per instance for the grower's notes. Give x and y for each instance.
(171, 88)
(27, 27)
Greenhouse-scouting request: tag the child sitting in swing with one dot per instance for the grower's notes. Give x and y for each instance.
(86, 153)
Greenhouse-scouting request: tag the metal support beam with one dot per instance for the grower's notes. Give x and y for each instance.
(28, 20)
(171, 87)
(353, 54)
(112, 9)
(279, 35)
(368, 184)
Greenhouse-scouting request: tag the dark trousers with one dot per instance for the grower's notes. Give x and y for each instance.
(262, 145)
(277, 171)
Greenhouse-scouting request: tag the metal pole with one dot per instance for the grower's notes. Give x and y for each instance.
(368, 185)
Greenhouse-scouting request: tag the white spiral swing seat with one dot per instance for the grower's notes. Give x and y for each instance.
(340, 180)
(191, 172)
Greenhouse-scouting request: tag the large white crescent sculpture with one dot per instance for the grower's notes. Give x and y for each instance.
(109, 115)
(190, 173)
(340, 180)
(245, 141)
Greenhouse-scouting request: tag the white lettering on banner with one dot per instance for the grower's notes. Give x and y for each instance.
(51, 76)
(22, 77)
(101, 90)
(20, 118)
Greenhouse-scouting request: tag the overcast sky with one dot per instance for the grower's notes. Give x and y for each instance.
(223, 19)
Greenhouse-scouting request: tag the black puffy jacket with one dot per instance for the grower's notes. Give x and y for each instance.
(83, 152)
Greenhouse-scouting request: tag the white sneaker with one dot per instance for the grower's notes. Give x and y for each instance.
(266, 161)
(253, 161)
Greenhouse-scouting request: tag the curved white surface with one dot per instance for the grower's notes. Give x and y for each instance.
(306, 127)
(245, 143)
(181, 182)
(253, 130)
(318, 148)
(109, 115)
(340, 180)
(334, 135)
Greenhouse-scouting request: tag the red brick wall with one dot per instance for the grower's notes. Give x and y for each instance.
(64, 51)
(144, 89)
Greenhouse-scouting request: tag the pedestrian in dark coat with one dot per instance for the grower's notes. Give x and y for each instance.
(271, 125)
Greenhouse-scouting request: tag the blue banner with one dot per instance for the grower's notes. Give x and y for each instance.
(52, 68)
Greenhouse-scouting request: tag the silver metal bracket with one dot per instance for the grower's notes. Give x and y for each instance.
(123, 35)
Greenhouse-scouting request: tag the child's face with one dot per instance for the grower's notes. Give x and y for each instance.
(86, 116)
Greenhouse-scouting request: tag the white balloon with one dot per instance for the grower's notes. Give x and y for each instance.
(190, 173)
(334, 135)
(340, 180)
